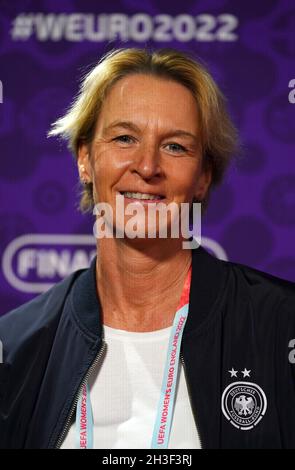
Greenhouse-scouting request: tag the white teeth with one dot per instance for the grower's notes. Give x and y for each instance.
(141, 195)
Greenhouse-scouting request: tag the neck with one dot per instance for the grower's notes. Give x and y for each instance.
(140, 284)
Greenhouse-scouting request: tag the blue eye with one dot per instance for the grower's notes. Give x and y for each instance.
(177, 148)
(124, 138)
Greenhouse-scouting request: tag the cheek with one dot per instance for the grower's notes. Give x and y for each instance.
(183, 178)
(106, 168)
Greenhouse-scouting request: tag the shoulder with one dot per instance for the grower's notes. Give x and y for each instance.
(261, 288)
(38, 314)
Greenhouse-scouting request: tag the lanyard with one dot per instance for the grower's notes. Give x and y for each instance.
(162, 426)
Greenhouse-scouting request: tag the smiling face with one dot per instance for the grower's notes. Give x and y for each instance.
(147, 140)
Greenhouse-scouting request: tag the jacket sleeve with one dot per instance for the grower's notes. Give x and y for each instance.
(285, 368)
(27, 334)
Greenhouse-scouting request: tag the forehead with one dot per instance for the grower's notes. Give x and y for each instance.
(155, 100)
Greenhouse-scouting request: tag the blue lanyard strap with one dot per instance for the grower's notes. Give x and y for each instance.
(163, 421)
(84, 420)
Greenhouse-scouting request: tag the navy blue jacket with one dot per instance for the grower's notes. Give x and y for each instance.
(235, 351)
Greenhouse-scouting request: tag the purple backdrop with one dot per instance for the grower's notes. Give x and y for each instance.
(45, 46)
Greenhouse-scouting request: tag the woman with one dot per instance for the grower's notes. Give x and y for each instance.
(153, 345)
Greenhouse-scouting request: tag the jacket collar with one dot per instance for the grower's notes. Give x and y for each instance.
(208, 280)
(209, 276)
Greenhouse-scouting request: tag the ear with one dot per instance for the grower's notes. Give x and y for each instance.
(203, 184)
(83, 161)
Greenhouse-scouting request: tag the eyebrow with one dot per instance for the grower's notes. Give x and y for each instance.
(129, 125)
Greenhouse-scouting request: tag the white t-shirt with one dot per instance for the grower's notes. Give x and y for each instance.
(125, 391)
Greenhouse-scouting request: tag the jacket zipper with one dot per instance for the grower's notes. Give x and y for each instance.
(190, 398)
(87, 375)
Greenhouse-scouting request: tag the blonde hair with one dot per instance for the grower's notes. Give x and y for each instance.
(218, 135)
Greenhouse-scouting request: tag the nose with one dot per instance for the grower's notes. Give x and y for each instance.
(147, 161)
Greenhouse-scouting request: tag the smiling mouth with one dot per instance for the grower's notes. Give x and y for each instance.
(146, 197)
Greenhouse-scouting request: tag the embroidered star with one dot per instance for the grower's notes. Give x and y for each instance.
(233, 372)
(246, 373)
